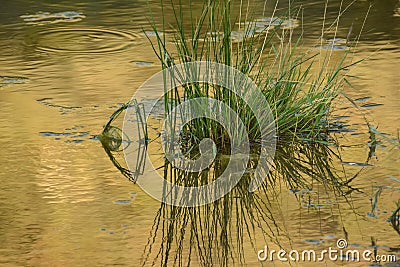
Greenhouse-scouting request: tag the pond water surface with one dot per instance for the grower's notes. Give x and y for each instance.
(65, 67)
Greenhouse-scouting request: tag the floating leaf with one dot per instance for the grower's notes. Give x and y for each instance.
(42, 18)
(362, 99)
(357, 164)
(371, 105)
(123, 202)
(143, 63)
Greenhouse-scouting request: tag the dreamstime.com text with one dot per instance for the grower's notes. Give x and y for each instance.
(339, 253)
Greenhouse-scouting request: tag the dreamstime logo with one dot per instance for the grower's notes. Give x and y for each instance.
(340, 253)
(195, 108)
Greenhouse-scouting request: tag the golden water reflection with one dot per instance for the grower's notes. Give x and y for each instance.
(63, 203)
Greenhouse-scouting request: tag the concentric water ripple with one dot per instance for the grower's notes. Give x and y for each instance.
(84, 40)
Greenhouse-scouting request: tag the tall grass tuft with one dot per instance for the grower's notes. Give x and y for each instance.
(300, 85)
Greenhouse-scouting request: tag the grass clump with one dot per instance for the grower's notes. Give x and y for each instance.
(299, 92)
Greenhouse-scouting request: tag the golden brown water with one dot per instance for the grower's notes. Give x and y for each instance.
(62, 202)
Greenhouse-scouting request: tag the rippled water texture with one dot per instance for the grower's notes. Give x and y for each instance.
(66, 66)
